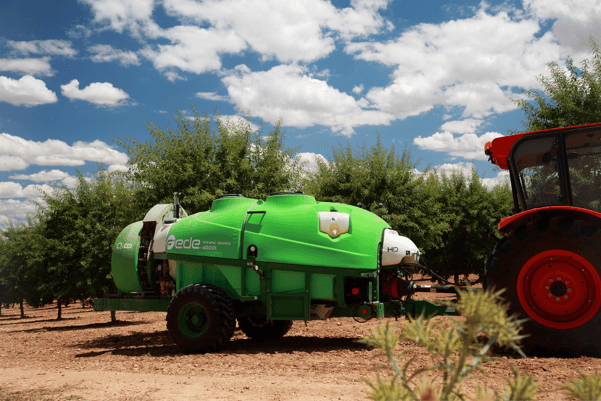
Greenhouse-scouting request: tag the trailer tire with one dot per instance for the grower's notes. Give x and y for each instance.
(201, 318)
(551, 273)
(258, 327)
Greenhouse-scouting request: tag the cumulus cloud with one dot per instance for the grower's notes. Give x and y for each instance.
(100, 93)
(575, 21)
(466, 169)
(309, 160)
(467, 126)
(27, 66)
(27, 91)
(135, 15)
(467, 146)
(212, 96)
(462, 63)
(14, 190)
(291, 93)
(48, 47)
(106, 53)
(42, 176)
(236, 120)
(286, 30)
(17, 153)
(195, 49)
(13, 209)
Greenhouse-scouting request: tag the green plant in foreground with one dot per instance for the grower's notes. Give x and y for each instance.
(458, 352)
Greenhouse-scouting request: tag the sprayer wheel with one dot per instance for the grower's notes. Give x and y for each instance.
(258, 327)
(201, 318)
(550, 271)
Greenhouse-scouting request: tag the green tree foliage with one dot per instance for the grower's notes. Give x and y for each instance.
(21, 258)
(202, 163)
(469, 210)
(80, 226)
(570, 96)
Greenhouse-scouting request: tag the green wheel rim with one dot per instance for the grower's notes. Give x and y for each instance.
(193, 319)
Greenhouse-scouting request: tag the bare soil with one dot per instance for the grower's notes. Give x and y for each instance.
(86, 357)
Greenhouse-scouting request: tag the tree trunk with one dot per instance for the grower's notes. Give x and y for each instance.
(456, 277)
(59, 306)
(0, 309)
(22, 309)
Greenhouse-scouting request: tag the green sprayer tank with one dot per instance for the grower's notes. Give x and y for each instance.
(262, 264)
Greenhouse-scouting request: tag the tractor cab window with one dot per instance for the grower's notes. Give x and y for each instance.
(584, 164)
(538, 166)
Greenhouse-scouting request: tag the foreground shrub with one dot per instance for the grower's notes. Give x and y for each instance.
(458, 353)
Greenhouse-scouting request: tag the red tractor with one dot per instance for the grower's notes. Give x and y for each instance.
(549, 260)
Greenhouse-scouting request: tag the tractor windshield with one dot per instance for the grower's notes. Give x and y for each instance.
(559, 169)
(584, 161)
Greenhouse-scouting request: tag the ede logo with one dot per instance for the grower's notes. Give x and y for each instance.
(121, 245)
(170, 242)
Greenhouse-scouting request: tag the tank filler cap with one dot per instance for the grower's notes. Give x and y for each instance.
(334, 223)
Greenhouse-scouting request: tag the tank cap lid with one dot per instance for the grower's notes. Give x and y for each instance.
(230, 196)
(287, 193)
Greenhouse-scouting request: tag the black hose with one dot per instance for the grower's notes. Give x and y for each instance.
(430, 271)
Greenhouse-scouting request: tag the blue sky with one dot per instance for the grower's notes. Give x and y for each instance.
(435, 76)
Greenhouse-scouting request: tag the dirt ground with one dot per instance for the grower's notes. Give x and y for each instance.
(85, 357)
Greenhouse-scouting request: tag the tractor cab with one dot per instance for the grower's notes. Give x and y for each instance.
(559, 167)
(549, 260)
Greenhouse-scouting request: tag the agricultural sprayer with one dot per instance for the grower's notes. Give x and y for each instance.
(267, 263)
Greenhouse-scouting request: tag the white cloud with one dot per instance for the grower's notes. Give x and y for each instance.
(575, 22)
(100, 93)
(358, 89)
(195, 49)
(9, 189)
(290, 93)
(117, 167)
(106, 53)
(289, 31)
(467, 146)
(466, 170)
(49, 47)
(13, 209)
(17, 153)
(42, 176)
(212, 96)
(27, 66)
(27, 91)
(309, 160)
(476, 64)
(135, 15)
(467, 126)
(11, 163)
(236, 120)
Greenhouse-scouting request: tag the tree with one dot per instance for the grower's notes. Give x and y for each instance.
(470, 212)
(21, 258)
(202, 162)
(570, 96)
(80, 226)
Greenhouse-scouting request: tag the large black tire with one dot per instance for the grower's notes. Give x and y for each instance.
(550, 271)
(201, 318)
(259, 328)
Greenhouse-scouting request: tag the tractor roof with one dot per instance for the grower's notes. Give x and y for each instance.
(498, 149)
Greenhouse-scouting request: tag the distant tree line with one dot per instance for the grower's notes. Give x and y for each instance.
(63, 252)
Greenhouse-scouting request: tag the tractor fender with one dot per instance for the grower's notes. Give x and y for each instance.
(533, 215)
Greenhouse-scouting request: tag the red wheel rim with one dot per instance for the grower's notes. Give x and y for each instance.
(559, 289)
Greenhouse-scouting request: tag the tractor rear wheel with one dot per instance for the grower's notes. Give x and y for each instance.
(258, 327)
(201, 318)
(550, 271)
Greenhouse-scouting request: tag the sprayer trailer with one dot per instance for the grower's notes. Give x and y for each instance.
(264, 264)
(549, 260)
